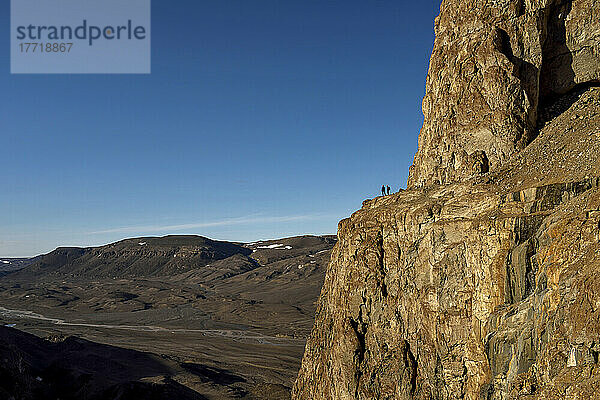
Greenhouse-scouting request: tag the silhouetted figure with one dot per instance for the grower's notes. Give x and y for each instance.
(388, 190)
(383, 190)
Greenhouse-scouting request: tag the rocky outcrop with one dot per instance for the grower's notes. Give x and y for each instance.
(480, 281)
(495, 66)
(453, 293)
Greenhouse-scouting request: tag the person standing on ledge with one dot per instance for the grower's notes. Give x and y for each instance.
(388, 190)
(383, 190)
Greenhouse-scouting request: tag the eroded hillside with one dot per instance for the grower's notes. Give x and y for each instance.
(213, 319)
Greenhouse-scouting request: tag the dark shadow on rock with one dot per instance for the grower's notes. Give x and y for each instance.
(33, 368)
(212, 374)
(558, 87)
(557, 76)
(528, 74)
(563, 103)
(168, 389)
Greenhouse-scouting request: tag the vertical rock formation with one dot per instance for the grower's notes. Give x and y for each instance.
(480, 281)
(494, 65)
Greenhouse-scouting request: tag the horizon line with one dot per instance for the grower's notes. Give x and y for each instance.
(165, 235)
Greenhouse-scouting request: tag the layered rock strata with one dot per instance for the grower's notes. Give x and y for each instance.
(495, 66)
(481, 280)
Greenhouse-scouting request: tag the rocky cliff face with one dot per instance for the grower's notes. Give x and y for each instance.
(495, 65)
(480, 281)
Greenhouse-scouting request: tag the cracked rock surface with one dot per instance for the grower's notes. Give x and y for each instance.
(481, 280)
(496, 64)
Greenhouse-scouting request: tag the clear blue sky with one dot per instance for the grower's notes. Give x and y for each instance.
(261, 119)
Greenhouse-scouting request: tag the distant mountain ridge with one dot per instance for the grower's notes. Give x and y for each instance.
(162, 256)
(245, 309)
(145, 256)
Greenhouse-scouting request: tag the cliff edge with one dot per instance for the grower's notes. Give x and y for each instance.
(495, 66)
(480, 281)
